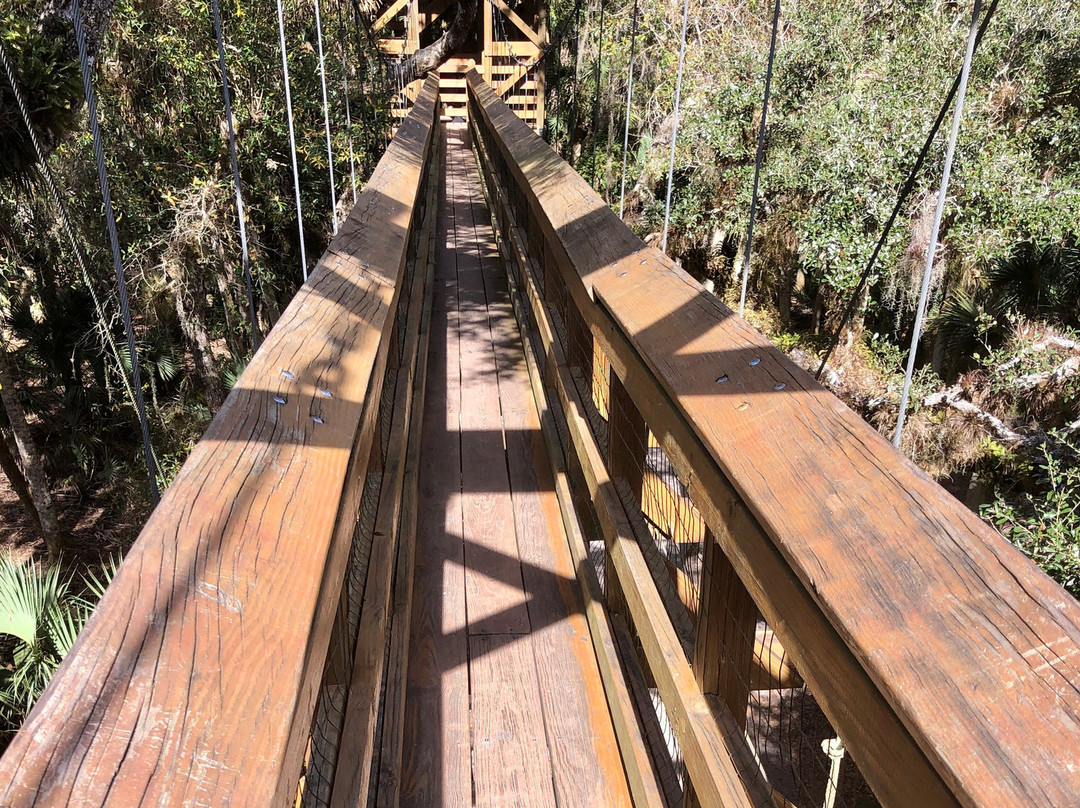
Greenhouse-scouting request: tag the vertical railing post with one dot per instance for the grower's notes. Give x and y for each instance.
(724, 639)
(579, 346)
(628, 437)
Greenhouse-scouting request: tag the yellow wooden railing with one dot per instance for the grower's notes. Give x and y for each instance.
(948, 664)
(218, 665)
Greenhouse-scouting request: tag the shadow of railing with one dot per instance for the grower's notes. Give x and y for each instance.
(937, 651)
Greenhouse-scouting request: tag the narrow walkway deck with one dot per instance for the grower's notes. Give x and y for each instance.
(504, 704)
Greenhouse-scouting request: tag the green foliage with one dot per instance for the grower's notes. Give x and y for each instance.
(856, 86)
(969, 330)
(1045, 521)
(47, 76)
(42, 611)
(161, 108)
(1037, 282)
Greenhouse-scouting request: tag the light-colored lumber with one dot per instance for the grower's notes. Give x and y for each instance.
(511, 762)
(641, 776)
(194, 681)
(897, 604)
(436, 766)
(384, 18)
(519, 23)
(586, 766)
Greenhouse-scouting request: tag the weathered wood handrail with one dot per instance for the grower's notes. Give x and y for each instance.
(946, 660)
(194, 682)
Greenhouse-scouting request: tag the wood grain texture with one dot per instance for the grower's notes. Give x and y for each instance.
(709, 762)
(972, 648)
(495, 594)
(642, 779)
(435, 765)
(586, 765)
(511, 763)
(538, 729)
(194, 682)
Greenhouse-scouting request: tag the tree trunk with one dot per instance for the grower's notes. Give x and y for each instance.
(32, 463)
(427, 59)
(819, 308)
(192, 324)
(784, 288)
(15, 476)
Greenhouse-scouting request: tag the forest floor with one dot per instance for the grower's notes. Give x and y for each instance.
(91, 531)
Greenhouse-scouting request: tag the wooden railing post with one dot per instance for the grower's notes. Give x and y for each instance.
(628, 437)
(724, 642)
(579, 340)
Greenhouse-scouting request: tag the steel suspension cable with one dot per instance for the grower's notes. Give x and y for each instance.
(114, 243)
(236, 176)
(596, 94)
(909, 184)
(950, 150)
(675, 125)
(65, 222)
(629, 100)
(574, 109)
(326, 119)
(292, 136)
(343, 44)
(757, 160)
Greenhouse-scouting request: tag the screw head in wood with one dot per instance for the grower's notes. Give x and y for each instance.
(755, 362)
(279, 399)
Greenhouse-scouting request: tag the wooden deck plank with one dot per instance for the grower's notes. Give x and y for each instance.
(586, 763)
(933, 605)
(643, 780)
(495, 594)
(436, 768)
(511, 762)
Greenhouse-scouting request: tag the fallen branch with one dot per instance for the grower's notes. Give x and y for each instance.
(1066, 370)
(1050, 342)
(952, 398)
(428, 58)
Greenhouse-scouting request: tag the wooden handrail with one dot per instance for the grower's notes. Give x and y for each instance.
(946, 660)
(195, 680)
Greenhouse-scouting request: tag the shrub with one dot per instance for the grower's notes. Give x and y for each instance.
(42, 612)
(1045, 523)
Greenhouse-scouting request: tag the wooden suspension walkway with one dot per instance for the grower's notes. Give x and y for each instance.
(504, 698)
(508, 511)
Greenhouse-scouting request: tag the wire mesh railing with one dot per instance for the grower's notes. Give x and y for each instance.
(769, 711)
(318, 778)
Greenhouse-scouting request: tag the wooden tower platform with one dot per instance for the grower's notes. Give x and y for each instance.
(505, 47)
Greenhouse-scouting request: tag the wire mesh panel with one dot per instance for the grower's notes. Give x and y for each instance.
(782, 741)
(320, 762)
